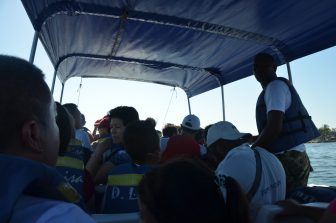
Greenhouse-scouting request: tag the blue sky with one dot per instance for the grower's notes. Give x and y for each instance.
(313, 76)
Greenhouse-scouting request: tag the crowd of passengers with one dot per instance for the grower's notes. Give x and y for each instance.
(54, 169)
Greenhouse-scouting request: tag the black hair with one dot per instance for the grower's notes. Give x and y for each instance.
(24, 96)
(71, 107)
(206, 129)
(169, 130)
(152, 121)
(264, 58)
(185, 190)
(76, 114)
(199, 137)
(125, 114)
(65, 128)
(140, 139)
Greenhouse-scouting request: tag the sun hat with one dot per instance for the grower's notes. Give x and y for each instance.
(191, 122)
(224, 130)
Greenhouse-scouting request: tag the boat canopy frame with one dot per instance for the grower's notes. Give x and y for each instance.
(197, 46)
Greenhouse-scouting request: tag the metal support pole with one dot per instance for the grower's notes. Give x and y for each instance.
(62, 93)
(189, 106)
(289, 72)
(33, 48)
(223, 105)
(53, 83)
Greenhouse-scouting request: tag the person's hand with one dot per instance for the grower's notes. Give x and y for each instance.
(290, 207)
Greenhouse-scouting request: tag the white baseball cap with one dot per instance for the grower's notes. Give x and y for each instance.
(224, 130)
(191, 122)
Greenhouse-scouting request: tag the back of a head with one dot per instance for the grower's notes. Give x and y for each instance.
(75, 113)
(151, 121)
(65, 126)
(191, 124)
(169, 130)
(124, 113)
(185, 191)
(140, 140)
(24, 96)
(264, 59)
(181, 146)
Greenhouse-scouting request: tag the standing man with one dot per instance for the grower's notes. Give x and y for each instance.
(284, 124)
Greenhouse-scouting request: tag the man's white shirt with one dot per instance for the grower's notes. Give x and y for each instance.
(278, 98)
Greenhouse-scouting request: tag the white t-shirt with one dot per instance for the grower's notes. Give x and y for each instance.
(240, 164)
(38, 210)
(83, 137)
(278, 98)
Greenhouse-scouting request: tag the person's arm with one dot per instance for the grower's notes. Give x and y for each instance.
(292, 208)
(101, 176)
(120, 157)
(96, 158)
(271, 131)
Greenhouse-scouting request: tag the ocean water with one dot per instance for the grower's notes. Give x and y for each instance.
(323, 160)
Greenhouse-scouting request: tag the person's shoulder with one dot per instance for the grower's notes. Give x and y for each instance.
(242, 150)
(33, 209)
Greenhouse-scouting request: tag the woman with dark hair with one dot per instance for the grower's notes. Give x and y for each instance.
(72, 157)
(186, 190)
(66, 127)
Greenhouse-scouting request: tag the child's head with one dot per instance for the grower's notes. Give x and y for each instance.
(142, 142)
(185, 190)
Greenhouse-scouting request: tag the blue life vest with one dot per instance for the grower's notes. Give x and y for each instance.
(71, 165)
(20, 176)
(297, 127)
(116, 155)
(122, 188)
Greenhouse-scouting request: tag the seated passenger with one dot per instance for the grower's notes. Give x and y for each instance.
(190, 127)
(258, 171)
(81, 134)
(31, 189)
(71, 160)
(142, 144)
(107, 154)
(103, 128)
(180, 146)
(187, 191)
(168, 131)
